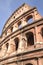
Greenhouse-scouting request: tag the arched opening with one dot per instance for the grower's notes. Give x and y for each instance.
(0, 48)
(7, 45)
(16, 40)
(30, 38)
(11, 29)
(29, 64)
(29, 19)
(19, 24)
(42, 32)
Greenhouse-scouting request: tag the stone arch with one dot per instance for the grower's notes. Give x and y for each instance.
(16, 40)
(29, 64)
(29, 19)
(30, 38)
(12, 29)
(7, 44)
(19, 24)
(42, 32)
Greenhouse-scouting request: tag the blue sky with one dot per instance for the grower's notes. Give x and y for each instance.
(7, 7)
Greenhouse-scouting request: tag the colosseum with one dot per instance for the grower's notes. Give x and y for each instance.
(21, 41)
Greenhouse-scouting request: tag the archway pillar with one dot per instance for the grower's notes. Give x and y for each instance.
(3, 51)
(37, 37)
(23, 43)
(8, 31)
(24, 22)
(39, 61)
(11, 48)
(15, 27)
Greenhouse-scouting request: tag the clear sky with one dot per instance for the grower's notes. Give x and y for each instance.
(7, 7)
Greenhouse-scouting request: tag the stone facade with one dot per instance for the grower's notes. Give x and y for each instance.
(21, 42)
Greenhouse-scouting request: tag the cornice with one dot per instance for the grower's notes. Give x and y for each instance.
(21, 30)
(19, 18)
(13, 14)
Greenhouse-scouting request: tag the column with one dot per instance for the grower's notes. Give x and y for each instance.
(8, 31)
(11, 48)
(3, 51)
(15, 27)
(23, 22)
(22, 43)
(39, 61)
(36, 35)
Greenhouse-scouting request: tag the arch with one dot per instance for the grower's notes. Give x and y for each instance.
(29, 19)
(19, 24)
(30, 38)
(16, 40)
(7, 45)
(0, 48)
(42, 32)
(29, 64)
(11, 29)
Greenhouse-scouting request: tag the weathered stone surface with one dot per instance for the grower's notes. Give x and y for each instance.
(21, 42)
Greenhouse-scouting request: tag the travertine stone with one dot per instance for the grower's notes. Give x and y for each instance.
(11, 47)
(37, 16)
(39, 61)
(3, 36)
(24, 22)
(15, 27)
(22, 43)
(3, 51)
(8, 31)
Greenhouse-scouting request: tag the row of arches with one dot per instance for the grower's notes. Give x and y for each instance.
(18, 25)
(29, 41)
(15, 27)
(22, 23)
(17, 44)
